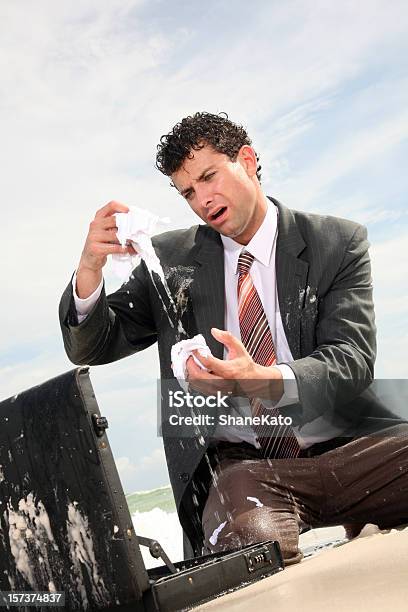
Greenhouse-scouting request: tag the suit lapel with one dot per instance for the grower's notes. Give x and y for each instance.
(291, 276)
(208, 289)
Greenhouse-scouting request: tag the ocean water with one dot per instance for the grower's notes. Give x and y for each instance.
(154, 516)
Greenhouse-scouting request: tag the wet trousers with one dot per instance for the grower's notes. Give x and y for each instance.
(254, 499)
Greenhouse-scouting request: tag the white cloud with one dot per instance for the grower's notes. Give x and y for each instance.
(392, 356)
(390, 306)
(26, 371)
(156, 459)
(125, 467)
(390, 263)
(345, 156)
(150, 469)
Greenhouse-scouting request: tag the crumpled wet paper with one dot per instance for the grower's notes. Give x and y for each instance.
(181, 351)
(136, 227)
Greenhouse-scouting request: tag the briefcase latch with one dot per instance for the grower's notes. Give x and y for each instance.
(100, 424)
(258, 559)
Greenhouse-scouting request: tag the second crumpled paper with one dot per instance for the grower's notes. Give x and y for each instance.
(181, 351)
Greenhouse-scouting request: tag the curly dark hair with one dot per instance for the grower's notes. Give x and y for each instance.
(193, 133)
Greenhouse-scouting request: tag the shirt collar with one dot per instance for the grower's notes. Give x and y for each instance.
(261, 244)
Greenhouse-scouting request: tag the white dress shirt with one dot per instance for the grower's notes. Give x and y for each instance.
(263, 247)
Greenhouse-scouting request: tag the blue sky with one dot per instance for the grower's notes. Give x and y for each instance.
(88, 88)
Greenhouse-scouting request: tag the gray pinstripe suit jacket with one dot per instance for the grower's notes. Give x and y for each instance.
(325, 296)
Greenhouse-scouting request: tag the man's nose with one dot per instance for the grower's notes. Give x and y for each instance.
(204, 195)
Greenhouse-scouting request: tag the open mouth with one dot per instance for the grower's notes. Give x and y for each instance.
(218, 214)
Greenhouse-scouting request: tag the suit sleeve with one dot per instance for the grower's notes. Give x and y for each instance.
(342, 364)
(118, 325)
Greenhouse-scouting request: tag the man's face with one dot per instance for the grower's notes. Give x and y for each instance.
(223, 193)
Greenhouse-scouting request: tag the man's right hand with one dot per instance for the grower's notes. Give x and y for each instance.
(100, 242)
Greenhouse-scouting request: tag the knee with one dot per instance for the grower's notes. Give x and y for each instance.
(259, 525)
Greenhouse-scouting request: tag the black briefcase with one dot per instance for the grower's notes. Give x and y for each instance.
(65, 526)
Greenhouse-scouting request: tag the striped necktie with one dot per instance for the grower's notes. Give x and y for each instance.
(277, 441)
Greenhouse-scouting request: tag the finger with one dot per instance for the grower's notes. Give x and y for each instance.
(102, 224)
(111, 208)
(106, 248)
(205, 387)
(109, 238)
(211, 385)
(106, 236)
(131, 250)
(106, 223)
(209, 362)
(192, 368)
(229, 341)
(218, 367)
(195, 372)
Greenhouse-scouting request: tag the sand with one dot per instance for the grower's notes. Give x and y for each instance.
(367, 574)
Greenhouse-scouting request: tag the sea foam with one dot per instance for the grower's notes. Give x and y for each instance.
(163, 527)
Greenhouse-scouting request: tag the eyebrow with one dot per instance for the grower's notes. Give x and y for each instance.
(185, 191)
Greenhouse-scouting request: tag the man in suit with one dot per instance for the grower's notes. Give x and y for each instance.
(310, 278)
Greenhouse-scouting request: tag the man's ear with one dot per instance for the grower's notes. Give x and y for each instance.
(247, 158)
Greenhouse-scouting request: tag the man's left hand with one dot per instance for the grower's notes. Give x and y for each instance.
(238, 374)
